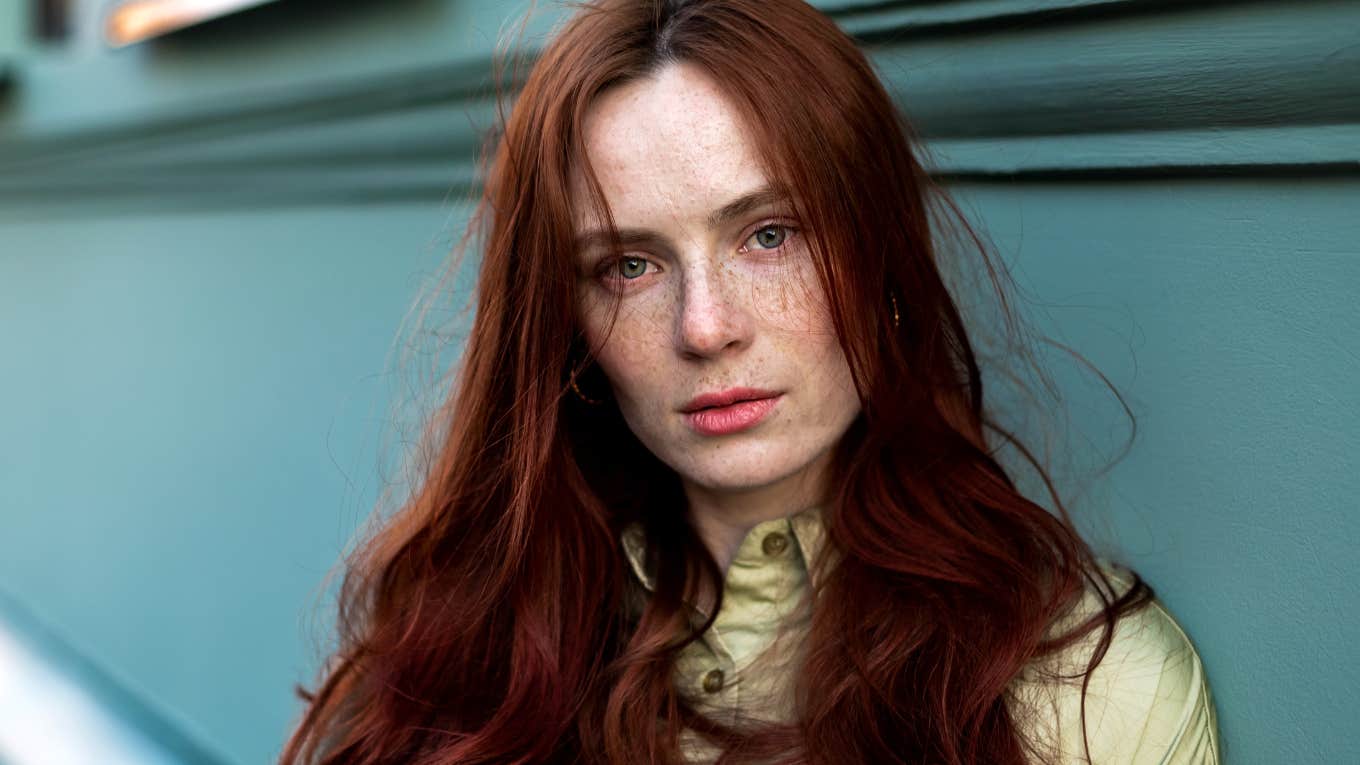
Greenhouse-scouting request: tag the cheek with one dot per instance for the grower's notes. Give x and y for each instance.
(800, 318)
(635, 318)
(633, 357)
(795, 304)
(625, 364)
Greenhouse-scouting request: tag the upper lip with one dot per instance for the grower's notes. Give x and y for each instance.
(725, 397)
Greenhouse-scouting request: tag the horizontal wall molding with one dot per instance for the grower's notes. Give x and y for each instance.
(421, 173)
(874, 21)
(1298, 150)
(1222, 66)
(1015, 88)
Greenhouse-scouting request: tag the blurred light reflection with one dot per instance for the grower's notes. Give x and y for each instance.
(48, 718)
(135, 20)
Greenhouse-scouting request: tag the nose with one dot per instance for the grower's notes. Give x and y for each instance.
(714, 318)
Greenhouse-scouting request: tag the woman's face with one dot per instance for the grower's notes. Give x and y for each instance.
(714, 295)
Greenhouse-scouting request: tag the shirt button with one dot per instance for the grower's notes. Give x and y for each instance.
(713, 681)
(774, 543)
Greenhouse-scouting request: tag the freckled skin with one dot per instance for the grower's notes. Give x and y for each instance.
(713, 309)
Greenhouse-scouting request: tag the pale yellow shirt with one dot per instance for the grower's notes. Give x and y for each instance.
(1148, 702)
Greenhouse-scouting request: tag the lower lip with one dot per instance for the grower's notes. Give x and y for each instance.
(733, 418)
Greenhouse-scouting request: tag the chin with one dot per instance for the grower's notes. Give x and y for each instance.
(737, 469)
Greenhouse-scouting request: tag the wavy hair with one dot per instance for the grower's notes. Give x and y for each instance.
(487, 620)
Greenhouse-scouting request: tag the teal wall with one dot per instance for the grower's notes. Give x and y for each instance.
(208, 244)
(1226, 311)
(191, 420)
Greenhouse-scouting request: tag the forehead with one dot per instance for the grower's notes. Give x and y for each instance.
(669, 147)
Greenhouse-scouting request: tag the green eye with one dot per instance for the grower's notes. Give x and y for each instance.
(771, 237)
(632, 268)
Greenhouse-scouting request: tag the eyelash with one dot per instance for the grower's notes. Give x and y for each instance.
(611, 265)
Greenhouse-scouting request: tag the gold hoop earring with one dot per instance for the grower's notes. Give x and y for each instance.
(581, 395)
(896, 318)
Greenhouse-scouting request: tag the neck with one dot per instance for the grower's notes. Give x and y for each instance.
(722, 517)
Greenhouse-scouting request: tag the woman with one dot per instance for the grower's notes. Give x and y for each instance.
(714, 480)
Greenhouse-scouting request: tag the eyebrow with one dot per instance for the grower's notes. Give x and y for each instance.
(737, 208)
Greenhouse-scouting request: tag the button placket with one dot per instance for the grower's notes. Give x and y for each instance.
(769, 576)
(707, 669)
(713, 681)
(774, 544)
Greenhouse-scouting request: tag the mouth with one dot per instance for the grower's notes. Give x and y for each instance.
(731, 411)
(719, 399)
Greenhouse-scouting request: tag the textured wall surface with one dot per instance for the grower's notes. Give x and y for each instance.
(192, 418)
(1225, 311)
(208, 243)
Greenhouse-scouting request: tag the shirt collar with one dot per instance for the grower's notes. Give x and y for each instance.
(805, 526)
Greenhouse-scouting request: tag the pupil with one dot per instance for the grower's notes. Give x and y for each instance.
(631, 272)
(770, 236)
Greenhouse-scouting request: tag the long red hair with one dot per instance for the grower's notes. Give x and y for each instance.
(486, 620)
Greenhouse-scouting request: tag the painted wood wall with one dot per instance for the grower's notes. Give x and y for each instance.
(208, 244)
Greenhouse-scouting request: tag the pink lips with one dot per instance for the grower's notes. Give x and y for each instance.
(730, 411)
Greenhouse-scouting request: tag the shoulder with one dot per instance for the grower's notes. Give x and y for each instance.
(1148, 702)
